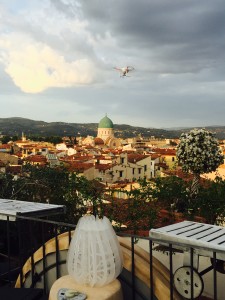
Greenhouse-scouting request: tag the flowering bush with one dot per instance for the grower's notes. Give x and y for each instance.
(198, 152)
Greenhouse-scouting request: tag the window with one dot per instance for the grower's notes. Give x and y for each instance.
(121, 173)
(139, 170)
(173, 158)
(133, 170)
(122, 160)
(145, 168)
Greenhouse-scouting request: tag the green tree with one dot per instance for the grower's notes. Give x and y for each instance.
(210, 202)
(5, 139)
(171, 193)
(93, 192)
(47, 185)
(138, 211)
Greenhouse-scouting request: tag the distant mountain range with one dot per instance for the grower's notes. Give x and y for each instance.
(15, 126)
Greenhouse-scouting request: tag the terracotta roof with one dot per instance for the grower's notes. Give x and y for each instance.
(154, 156)
(77, 157)
(163, 165)
(14, 169)
(5, 146)
(132, 158)
(98, 141)
(165, 151)
(36, 158)
(79, 166)
(103, 166)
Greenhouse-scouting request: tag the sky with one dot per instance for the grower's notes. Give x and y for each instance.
(57, 60)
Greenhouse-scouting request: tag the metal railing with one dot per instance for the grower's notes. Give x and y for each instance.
(26, 261)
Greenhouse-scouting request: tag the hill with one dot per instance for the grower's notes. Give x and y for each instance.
(16, 125)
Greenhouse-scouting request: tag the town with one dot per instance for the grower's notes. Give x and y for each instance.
(111, 160)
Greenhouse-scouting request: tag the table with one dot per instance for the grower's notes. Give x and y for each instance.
(111, 291)
(198, 239)
(205, 238)
(14, 208)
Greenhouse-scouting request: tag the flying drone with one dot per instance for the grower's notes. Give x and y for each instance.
(124, 71)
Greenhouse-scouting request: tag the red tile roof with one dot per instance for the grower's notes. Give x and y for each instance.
(154, 156)
(5, 146)
(165, 151)
(132, 158)
(79, 166)
(103, 166)
(36, 159)
(14, 169)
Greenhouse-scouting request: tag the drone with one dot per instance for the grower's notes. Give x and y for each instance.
(124, 71)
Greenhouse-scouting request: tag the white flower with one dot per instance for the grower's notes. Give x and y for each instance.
(199, 151)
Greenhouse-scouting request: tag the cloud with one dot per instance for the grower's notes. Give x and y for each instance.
(35, 67)
(65, 51)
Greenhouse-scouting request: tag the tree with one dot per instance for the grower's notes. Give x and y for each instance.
(198, 152)
(171, 193)
(92, 192)
(5, 139)
(47, 185)
(138, 211)
(210, 202)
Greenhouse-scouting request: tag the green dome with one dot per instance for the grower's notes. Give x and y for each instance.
(105, 123)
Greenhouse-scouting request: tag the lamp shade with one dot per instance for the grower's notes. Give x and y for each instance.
(94, 256)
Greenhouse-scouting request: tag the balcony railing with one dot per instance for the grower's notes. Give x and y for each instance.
(33, 255)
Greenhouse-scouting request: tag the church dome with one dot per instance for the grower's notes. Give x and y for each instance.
(105, 123)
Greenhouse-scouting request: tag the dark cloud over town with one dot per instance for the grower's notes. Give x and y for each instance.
(57, 60)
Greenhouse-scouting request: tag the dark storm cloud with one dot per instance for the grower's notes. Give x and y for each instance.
(178, 36)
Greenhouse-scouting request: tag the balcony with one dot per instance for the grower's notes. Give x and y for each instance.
(33, 254)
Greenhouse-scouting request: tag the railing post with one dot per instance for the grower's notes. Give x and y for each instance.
(192, 273)
(8, 250)
(133, 268)
(171, 270)
(20, 252)
(214, 277)
(151, 270)
(43, 254)
(31, 253)
(57, 251)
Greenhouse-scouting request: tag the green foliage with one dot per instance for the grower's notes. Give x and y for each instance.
(171, 192)
(210, 201)
(53, 139)
(5, 139)
(6, 186)
(48, 185)
(92, 193)
(138, 211)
